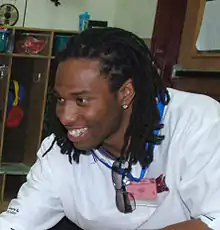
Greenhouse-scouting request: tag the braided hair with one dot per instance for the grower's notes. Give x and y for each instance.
(122, 56)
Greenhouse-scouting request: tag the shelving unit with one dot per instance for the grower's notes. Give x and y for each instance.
(190, 57)
(18, 145)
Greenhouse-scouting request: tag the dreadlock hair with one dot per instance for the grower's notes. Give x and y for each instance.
(122, 56)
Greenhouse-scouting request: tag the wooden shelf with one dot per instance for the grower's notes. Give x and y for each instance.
(45, 30)
(23, 55)
(4, 206)
(6, 54)
(189, 56)
(30, 56)
(197, 54)
(14, 169)
(34, 72)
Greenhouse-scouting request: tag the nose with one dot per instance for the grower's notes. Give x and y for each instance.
(67, 114)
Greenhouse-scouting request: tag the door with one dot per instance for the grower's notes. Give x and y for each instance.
(165, 44)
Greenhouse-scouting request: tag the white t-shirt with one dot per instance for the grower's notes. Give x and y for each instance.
(189, 157)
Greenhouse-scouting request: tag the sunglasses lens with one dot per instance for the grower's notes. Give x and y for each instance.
(132, 203)
(117, 180)
(125, 201)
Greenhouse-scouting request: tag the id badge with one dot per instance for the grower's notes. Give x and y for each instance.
(144, 192)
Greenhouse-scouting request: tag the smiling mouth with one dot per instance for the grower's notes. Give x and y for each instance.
(77, 132)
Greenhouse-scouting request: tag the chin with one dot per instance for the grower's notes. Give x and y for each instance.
(85, 147)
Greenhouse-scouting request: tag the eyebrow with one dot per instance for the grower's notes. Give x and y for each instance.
(77, 93)
(82, 92)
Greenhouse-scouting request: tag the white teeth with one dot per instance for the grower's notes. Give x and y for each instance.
(77, 132)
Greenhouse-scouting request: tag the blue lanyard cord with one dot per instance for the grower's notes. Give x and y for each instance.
(143, 171)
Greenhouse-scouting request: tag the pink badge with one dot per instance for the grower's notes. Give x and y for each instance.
(145, 189)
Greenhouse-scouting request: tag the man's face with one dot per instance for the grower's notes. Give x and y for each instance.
(88, 110)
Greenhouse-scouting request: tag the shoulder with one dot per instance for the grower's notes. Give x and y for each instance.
(48, 145)
(192, 123)
(192, 107)
(50, 152)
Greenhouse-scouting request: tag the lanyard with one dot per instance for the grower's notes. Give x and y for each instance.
(143, 171)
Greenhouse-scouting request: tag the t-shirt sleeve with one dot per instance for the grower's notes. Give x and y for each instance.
(37, 206)
(199, 185)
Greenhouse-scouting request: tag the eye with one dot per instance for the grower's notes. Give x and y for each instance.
(82, 101)
(60, 100)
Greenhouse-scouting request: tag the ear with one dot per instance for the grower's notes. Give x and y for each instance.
(126, 94)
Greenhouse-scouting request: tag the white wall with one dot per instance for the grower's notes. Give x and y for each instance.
(20, 4)
(209, 35)
(137, 16)
(43, 13)
(134, 15)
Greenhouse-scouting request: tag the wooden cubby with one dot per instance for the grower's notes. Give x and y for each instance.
(189, 56)
(36, 72)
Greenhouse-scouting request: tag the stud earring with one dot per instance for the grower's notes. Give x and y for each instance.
(124, 106)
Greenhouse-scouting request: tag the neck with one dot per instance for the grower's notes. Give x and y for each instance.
(112, 151)
(113, 146)
(105, 153)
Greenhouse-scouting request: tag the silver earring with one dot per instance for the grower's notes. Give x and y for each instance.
(124, 106)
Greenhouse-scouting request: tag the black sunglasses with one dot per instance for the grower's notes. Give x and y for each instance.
(125, 201)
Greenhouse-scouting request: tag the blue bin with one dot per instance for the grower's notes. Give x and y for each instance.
(61, 42)
(4, 40)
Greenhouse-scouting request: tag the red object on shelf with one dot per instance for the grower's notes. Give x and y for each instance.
(14, 117)
(34, 45)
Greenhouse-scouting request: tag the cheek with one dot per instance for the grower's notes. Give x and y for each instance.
(64, 114)
(59, 110)
(104, 119)
(66, 109)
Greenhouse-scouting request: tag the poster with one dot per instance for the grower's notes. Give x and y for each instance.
(209, 34)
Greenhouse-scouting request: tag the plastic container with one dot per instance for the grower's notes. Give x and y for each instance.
(84, 21)
(4, 40)
(32, 43)
(61, 42)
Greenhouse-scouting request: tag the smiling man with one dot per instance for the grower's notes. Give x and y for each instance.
(125, 152)
(85, 107)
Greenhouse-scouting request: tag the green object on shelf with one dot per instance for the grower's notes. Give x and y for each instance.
(61, 42)
(14, 169)
(4, 35)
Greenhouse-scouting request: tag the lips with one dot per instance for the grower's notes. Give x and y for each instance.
(75, 135)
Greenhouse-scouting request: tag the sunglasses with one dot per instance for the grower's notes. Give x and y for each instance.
(125, 201)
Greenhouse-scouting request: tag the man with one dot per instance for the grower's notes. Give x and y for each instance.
(125, 153)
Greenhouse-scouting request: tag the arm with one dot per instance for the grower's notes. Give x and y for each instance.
(199, 185)
(189, 225)
(37, 205)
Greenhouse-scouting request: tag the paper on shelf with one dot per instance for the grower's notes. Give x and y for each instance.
(209, 35)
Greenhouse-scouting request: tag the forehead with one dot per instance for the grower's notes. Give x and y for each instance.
(80, 75)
